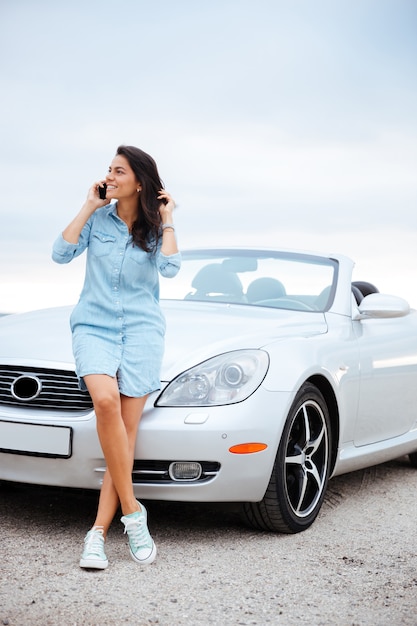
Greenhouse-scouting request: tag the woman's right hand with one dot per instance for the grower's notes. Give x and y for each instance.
(94, 201)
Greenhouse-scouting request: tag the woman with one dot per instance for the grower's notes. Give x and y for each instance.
(118, 327)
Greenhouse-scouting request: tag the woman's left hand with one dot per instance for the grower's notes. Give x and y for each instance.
(166, 207)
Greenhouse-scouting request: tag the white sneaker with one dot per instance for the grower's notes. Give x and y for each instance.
(93, 556)
(141, 544)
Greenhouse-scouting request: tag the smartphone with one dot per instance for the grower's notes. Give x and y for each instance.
(102, 191)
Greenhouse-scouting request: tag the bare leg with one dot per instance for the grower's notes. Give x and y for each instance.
(117, 423)
(109, 500)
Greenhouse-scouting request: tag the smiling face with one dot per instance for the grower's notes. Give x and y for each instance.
(122, 183)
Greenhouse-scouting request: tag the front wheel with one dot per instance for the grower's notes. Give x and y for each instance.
(301, 470)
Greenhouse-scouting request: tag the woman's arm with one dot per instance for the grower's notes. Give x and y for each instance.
(72, 232)
(169, 242)
(74, 239)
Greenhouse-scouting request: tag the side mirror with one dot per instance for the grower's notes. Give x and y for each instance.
(379, 305)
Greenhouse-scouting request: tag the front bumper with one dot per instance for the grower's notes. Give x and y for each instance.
(167, 435)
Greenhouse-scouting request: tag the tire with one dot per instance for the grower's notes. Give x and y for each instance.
(301, 470)
(413, 459)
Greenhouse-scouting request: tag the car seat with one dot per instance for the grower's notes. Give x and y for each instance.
(265, 289)
(213, 282)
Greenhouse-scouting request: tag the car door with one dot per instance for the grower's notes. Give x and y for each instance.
(388, 374)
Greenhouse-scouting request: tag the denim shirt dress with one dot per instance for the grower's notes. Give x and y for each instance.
(117, 326)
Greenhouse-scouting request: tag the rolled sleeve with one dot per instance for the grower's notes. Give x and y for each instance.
(169, 266)
(63, 251)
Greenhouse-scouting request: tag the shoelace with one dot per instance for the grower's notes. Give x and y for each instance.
(138, 533)
(95, 543)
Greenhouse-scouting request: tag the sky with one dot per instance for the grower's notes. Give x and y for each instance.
(283, 123)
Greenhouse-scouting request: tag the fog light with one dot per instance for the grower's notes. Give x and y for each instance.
(185, 470)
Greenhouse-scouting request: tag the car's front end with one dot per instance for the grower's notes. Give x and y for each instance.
(212, 432)
(209, 434)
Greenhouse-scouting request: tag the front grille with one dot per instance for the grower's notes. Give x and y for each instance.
(42, 388)
(158, 472)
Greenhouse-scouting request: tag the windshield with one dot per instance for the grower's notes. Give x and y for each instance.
(300, 282)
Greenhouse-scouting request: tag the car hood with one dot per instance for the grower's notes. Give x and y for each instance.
(195, 331)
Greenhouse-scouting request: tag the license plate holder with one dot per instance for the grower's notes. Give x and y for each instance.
(31, 439)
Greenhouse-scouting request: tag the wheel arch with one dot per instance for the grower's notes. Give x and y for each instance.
(327, 391)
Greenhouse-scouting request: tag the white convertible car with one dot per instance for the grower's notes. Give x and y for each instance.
(278, 374)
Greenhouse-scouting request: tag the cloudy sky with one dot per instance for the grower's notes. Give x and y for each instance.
(277, 122)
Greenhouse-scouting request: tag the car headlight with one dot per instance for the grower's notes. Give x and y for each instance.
(224, 379)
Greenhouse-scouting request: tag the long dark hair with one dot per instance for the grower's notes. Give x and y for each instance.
(146, 230)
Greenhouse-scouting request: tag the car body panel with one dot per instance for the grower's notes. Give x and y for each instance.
(388, 376)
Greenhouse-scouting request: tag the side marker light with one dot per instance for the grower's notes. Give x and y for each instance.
(248, 448)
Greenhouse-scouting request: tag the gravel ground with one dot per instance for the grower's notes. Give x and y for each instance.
(355, 566)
